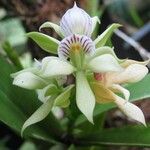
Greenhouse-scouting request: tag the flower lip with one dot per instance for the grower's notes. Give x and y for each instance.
(75, 43)
(76, 21)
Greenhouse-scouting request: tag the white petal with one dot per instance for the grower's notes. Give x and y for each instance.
(106, 50)
(124, 91)
(76, 21)
(131, 110)
(53, 66)
(133, 73)
(29, 81)
(104, 63)
(31, 69)
(95, 20)
(84, 96)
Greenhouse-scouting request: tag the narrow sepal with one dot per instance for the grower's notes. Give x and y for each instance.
(63, 100)
(103, 38)
(53, 26)
(131, 110)
(46, 42)
(84, 96)
(120, 89)
(29, 80)
(39, 114)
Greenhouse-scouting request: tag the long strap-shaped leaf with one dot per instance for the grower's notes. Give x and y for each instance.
(6, 108)
(14, 98)
(12, 116)
(125, 136)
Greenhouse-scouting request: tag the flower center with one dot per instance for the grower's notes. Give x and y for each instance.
(75, 43)
(76, 47)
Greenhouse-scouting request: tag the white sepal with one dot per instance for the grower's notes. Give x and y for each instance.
(121, 89)
(84, 96)
(31, 69)
(131, 74)
(106, 50)
(39, 114)
(131, 110)
(29, 81)
(104, 63)
(54, 66)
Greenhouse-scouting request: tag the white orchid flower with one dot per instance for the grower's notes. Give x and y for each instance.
(110, 83)
(80, 55)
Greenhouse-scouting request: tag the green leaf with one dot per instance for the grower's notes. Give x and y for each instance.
(53, 26)
(24, 99)
(28, 146)
(46, 42)
(27, 102)
(63, 99)
(12, 116)
(7, 108)
(137, 92)
(103, 38)
(39, 114)
(71, 147)
(51, 89)
(125, 136)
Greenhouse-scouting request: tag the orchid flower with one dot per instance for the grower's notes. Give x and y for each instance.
(79, 55)
(107, 85)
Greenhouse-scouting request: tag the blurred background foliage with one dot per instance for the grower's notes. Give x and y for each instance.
(18, 17)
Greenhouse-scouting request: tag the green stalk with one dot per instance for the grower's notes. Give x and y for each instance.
(12, 55)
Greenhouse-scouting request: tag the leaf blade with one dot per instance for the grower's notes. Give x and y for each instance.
(125, 136)
(102, 39)
(46, 42)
